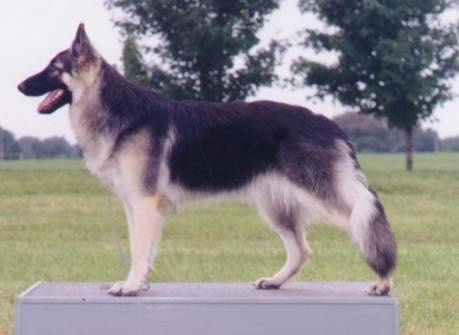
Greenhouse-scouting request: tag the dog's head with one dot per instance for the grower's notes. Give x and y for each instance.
(64, 73)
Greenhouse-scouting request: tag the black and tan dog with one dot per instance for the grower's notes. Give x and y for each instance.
(297, 166)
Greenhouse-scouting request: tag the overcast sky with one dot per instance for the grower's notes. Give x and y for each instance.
(32, 32)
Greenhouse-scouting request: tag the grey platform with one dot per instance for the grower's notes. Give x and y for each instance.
(313, 308)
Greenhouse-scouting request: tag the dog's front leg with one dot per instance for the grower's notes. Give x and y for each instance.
(146, 233)
(130, 220)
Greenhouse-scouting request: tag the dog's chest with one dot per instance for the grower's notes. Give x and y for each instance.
(97, 149)
(97, 153)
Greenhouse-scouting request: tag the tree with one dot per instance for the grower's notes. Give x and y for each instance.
(8, 145)
(133, 64)
(395, 58)
(203, 49)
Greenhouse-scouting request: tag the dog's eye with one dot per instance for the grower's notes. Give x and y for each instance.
(56, 65)
(55, 69)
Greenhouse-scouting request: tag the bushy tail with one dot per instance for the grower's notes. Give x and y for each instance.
(367, 222)
(372, 233)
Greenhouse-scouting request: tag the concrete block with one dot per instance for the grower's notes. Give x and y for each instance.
(298, 308)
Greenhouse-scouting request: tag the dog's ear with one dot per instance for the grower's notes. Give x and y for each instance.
(81, 47)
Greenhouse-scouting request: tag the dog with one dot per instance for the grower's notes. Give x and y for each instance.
(149, 150)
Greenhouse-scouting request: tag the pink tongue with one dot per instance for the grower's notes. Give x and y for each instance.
(50, 99)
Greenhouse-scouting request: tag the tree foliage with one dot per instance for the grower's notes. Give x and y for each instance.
(395, 57)
(133, 64)
(199, 49)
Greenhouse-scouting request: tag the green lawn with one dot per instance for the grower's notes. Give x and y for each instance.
(55, 226)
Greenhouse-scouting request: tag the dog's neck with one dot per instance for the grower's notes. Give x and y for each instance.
(86, 114)
(102, 102)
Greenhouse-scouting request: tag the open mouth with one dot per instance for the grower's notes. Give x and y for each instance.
(54, 100)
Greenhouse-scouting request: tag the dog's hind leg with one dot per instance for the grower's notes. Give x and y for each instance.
(298, 253)
(148, 222)
(286, 222)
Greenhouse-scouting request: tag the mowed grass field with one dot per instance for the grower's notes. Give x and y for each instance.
(55, 226)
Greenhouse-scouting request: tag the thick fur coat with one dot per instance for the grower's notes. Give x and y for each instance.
(149, 150)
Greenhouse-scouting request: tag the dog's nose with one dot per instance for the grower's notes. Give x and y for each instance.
(22, 87)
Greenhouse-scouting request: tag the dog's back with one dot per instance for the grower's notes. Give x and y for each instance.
(223, 146)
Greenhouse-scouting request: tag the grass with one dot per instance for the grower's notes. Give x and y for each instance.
(55, 226)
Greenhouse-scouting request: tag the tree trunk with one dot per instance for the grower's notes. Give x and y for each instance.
(409, 149)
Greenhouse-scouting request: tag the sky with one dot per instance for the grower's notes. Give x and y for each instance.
(32, 32)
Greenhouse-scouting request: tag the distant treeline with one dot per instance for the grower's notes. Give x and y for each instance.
(366, 133)
(33, 148)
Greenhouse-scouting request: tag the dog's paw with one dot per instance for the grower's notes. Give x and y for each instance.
(266, 284)
(116, 289)
(125, 289)
(381, 287)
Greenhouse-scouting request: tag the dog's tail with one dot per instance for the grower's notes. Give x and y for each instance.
(368, 224)
(372, 234)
